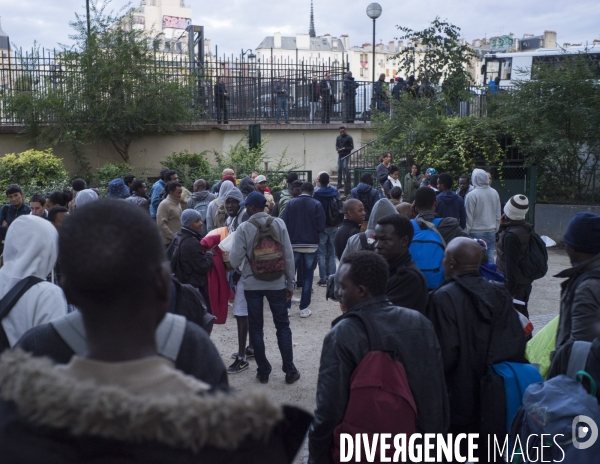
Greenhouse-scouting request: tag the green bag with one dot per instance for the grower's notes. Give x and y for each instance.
(541, 345)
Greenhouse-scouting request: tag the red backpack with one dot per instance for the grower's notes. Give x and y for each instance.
(380, 397)
(267, 259)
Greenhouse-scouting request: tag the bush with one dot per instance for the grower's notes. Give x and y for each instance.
(190, 167)
(108, 172)
(35, 171)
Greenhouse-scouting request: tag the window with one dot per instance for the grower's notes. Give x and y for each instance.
(498, 67)
(362, 72)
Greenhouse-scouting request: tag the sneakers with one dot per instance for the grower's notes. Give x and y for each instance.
(291, 377)
(265, 379)
(238, 366)
(305, 312)
(295, 299)
(249, 353)
(322, 283)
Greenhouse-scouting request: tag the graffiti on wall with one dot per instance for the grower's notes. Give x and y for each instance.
(174, 22)
(503, 42)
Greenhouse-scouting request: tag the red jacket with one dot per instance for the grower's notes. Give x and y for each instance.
(219, 290)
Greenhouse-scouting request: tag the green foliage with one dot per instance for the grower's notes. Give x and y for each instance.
(108, 172)
(555, 119)
(35, 171)
(190, 167)
(437, 55)
(109, 88)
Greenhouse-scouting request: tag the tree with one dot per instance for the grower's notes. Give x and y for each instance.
(108, 87)
(555, 118)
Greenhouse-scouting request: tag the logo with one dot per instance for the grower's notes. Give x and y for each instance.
(589, 432)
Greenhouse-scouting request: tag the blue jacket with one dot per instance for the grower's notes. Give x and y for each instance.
(9, 213)
(157, 188)
(324, 195)
(367, 195)
(304, 218)
(449, 204)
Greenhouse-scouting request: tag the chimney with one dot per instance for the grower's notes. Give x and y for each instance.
(277, 40)
(549, 39)
(392, 47)
(303, 41)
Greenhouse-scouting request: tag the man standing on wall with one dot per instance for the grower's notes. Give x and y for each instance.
(327, 98)
(350, 87)
(344, 146)
(282, 92)
(313, 98)
(221, 98)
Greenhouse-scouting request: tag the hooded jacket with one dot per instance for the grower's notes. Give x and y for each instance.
(198, 197)
(482, 205)
(511, 247)
(324, 196)
(30, 249)
(84, 197)
(140, 200)
(155, 192)
(92, 421)
(226, 186)
(367, 195)
(344, 347)
(448, 227)
(462, 310)
(449, 204)
(246, 186)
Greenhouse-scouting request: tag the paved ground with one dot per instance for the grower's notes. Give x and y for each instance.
(308, 337)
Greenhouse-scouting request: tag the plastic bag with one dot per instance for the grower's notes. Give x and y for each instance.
(225, 246)
(541, 345)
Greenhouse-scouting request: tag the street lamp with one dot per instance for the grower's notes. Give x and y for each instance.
(374, 12)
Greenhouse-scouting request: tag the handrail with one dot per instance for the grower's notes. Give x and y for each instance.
(352, 161)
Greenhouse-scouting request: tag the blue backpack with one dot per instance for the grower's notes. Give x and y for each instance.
(427, 251)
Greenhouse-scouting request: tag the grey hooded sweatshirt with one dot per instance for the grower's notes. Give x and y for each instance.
(482, 205)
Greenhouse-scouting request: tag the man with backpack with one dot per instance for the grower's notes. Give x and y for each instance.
(200, 200)
(286, 196)
(263, 246)
(305, 220)
(365, 192)
(517, 247)
(284, 193)
(354, 215)
(377, 345)
(216, 214)
(406, 285)
(476, 326)
(332, 204)
(580, 293)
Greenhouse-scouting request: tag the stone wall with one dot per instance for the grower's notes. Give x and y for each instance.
(552, 220)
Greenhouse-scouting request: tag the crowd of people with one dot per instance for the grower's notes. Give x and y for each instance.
(433, 275)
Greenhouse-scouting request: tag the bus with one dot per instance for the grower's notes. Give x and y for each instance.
(520, 65)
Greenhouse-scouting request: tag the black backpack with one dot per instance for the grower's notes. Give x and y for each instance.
(534, 264)
(9, 301)
(335, 212)
(191, 304)
(364, 243)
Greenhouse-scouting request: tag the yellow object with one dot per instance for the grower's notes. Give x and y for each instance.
(541, 345)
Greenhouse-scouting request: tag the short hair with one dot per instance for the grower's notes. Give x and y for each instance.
(296, 184)
(434, 180)
(463, 177)
(79, 185)
(58, 198)
(446, 180)
(307, 187)
(39, 198)
(366, 178)
(342, 127)
(291, 177)
(167, 175)
(162, 172)
(128, 178)
(424, 198)
(393, 168)
(369, 269)
(137, 185)
(396, 193)
(14, 188)
(324, 178)
(55, 211)
(402, 225)
(172, 186)
(96, 255)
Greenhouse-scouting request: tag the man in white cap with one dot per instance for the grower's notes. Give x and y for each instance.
(260, 184)
(513, 242)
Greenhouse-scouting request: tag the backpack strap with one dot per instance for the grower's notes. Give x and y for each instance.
(10, 300)
(169, 335)
(375, 343)
(261, 227)
(432, 226)
(578, 358)
(70, 328)
(363, 240)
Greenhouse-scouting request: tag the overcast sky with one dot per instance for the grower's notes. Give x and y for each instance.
(237, 24)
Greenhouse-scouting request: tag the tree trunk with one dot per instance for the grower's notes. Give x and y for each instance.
(122, 148)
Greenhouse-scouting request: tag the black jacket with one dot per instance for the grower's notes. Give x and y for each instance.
(511, 246)
(193, 263)
(580, 303)
(350, 87)
(462, 309)
(324, 91)
(344, 347)
(9, 213)
(220, 92)
(449, 227)
(344, 142)
(345, 231)
(407, 286)
(304, 218)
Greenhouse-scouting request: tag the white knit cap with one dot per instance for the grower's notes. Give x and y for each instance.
(516, 208)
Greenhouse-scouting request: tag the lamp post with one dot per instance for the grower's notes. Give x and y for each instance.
(374, 12)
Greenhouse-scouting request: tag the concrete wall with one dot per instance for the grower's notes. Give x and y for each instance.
(312, 147)
(552, 220)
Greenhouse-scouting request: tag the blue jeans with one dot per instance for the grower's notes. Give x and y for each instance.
(276, 299)
(307, 262)
(342, 168)
(282, 104)
(490, 239)
(327, 252)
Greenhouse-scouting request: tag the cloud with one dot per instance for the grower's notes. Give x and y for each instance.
(242, 24)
